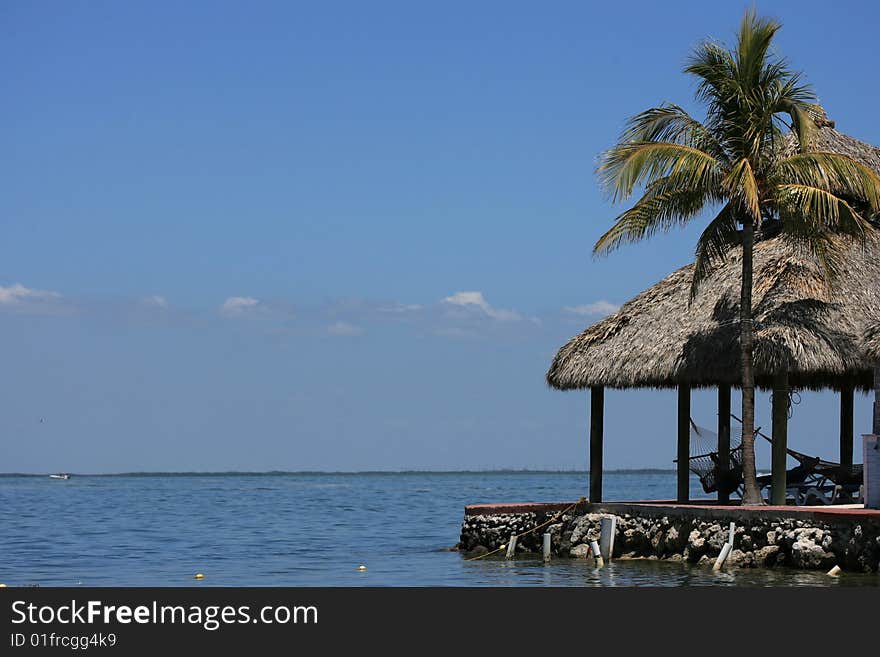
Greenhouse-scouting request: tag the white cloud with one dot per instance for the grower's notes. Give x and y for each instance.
(237, 305)
(477, 301)
(596, 309)
(18, 293)
(155, 301)
(344, 328)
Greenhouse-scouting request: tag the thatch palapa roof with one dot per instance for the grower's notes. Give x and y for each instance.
(831, 140)
(872, 340)
(814, 331)
(802, 326)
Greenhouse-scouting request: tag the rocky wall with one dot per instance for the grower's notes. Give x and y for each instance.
(765, 541)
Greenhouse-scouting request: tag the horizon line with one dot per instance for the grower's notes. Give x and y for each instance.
(205, 473)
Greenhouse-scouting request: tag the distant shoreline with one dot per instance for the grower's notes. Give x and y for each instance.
(277, 473)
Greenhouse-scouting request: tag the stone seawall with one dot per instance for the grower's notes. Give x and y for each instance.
(763, 538)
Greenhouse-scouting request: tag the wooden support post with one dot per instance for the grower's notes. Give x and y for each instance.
(684, 442)
(780, 438)
(723, 434)
(597, 424)
(846, 425)
(876, 428)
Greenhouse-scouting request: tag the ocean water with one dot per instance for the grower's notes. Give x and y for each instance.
(311, 530)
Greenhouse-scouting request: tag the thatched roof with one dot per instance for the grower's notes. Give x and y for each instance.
(829, 139)
(872, 339)
(814, 332)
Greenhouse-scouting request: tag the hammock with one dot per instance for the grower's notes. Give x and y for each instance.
(811, 472)
(816, 473)
(705, 461)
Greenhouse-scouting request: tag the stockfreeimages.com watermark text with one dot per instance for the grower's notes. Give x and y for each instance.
(210, 617)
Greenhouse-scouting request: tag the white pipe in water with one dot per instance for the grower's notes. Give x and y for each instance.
(725, 550)
(597, 554)
(511, 546)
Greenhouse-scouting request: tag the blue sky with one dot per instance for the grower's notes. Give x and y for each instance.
(344, 236)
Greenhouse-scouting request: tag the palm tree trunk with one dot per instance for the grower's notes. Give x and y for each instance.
(751, 493)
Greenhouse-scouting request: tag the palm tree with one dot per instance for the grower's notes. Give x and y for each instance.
(736, 163)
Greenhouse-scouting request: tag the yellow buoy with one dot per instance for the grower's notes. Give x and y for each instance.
(198, 576)
(362, 567)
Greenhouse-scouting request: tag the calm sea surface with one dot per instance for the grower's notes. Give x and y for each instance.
(310, 530)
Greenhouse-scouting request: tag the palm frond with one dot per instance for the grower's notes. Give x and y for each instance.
(816, 211)
(717, 239)
(670, 123)
(803, 121)
(754, 39)
(836, 173)
(741, 185)
(824, 245)
(661, 208)
(714, 66)
(632, 163)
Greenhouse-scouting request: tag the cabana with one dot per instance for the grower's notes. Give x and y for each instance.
(808, 334)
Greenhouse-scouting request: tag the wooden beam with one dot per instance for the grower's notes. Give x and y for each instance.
(780, 438)
(684, 442)
(846, 425)
(597, 427)
(723, 434)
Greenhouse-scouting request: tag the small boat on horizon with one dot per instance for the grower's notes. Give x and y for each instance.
(60, 475)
